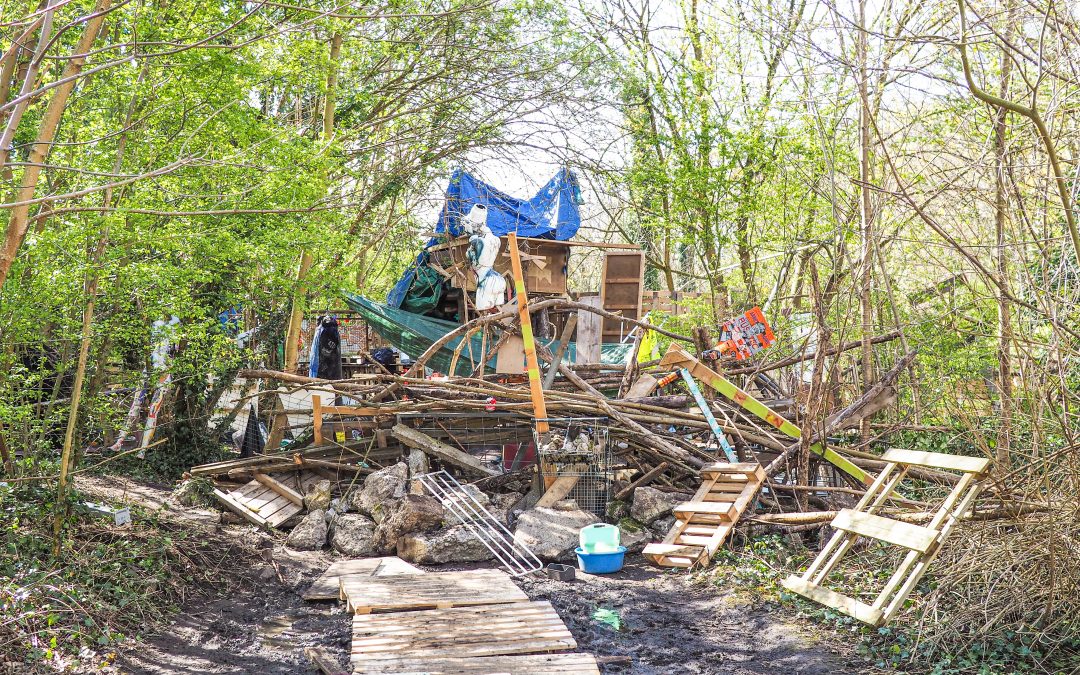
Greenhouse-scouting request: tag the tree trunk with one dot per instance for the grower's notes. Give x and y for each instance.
(1001, 204)
(18, 221)
(866, 214)
(331, 86)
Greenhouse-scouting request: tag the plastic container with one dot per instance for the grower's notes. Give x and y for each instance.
(600, 563)
(599, 538)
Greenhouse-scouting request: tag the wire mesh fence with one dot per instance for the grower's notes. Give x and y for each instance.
(503, 442)
(579, 447)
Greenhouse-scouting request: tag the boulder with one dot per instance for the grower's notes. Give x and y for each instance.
(650, 504)
(418, 465)
(193, 492)
(310, 533)
(450, 545)
(353, 535)
(318, 497)
(633, 535)
(466, 504)
(661, 527)
(502, 506)
(381, 491)
(414, 513)
(551, 534)
(616, 510)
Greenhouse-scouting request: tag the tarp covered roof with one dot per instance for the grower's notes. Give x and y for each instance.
(552, 213)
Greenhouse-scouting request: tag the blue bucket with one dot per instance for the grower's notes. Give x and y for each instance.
(600, 563)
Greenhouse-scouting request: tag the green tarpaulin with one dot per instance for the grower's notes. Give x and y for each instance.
(413, 334)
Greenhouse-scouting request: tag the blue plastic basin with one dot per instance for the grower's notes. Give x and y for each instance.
(600, 563)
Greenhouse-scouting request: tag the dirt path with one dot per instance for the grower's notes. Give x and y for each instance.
(663, 621)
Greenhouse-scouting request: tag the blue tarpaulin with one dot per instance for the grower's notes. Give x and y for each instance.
(552, 213)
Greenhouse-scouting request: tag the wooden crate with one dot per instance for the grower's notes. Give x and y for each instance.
(270, 499)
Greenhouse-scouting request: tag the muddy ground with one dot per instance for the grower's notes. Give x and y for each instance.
(666, 623)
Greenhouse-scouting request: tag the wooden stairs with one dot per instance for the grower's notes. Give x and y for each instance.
(701, 525)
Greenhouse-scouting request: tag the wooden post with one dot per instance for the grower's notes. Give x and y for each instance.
(564, 340)
(536, 387)
(316, 415)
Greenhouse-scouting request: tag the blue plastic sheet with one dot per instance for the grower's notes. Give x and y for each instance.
(552, 213)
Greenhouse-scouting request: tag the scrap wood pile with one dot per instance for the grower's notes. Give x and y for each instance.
(691, 466)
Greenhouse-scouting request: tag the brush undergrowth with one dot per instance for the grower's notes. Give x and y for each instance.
(108, 583)
(759, 566)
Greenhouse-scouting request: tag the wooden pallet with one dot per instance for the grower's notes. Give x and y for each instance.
(923, 543)
(365, 594)
(533, 664)
(328, 585)
(702, 524)
(269, 499)
(461, 632)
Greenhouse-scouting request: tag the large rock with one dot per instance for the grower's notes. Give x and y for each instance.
(418, 466)
(633, 535)
(466, 504)
(661, 527)
(318, 497)
(502, 506)
(451, 545)
(353, 534)
(310, 533)
(381, 491)
(651, 504)
(414, 513)
(551, 534)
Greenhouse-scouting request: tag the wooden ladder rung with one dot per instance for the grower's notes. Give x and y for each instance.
(860, 610)
(724, 509)
(693, 540)
(937, 460)
(886, 529)
(744, 468)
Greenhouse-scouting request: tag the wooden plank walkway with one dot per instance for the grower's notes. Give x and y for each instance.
(328, 585)
(461, 632)
(538, 664)
(365, 594)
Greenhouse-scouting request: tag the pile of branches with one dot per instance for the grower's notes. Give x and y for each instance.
(663, 437)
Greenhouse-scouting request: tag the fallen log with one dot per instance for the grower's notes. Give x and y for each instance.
(441, 451)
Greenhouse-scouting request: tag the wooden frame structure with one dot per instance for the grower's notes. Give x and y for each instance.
(701, 525)
(318, 410)
(923, 543)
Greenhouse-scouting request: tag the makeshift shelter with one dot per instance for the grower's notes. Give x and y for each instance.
(552, 213)
(413, 334)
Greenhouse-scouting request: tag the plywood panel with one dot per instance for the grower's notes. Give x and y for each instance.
(587, 344)
(621, 286)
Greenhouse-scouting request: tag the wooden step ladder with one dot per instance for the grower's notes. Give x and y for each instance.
(923, 543)
(702, 524)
